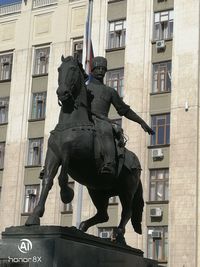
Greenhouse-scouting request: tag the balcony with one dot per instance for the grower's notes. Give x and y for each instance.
(10, 8)
(42, 3)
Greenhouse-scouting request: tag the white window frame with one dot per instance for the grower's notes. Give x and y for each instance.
(31, 196)
(116, 34)
(115, 79)
(4, 104)
(35, 152)
(41, 60)
(36, 113)
(163, 25)
(2, 154)
(6, 66)
(161, 76)
(154, 244)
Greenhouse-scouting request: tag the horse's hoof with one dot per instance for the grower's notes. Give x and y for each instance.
(83, 227)
(119, 237)
(66, 194)
(32, 220)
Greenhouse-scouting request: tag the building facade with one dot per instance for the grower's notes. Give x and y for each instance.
(152, 48)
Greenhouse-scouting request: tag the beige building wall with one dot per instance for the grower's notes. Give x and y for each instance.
(184, 148)
(58, 25)
(137, 88)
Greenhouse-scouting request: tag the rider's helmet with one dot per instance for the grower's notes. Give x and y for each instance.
(99, 62)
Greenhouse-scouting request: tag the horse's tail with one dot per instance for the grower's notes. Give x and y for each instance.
(137, 208)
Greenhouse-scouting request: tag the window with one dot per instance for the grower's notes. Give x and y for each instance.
(115, 79)
(163, 25)
(5, 67)
(4, 109)
(2, 154)
(117, 34)
(35, 151)
(68, 208)
(161, 126)
(41, 63)
(31, 197)
(78, 50)
(161, 77)
(159, 185)
(157, 243)
(38, 106)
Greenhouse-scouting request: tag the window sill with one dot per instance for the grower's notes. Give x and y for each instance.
(4, 81)
(157, 202)
(3, 124)
(34, 120)
(33, 166)
(66, 212)
(39, 75)
(166, 40)
(113, 204)
(158, 146)
(115, 49)
(114, 1)
(161, 93)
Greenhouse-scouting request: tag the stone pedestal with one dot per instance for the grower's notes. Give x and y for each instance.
(55, 246)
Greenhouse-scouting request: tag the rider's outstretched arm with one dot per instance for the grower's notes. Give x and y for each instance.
(131, 115)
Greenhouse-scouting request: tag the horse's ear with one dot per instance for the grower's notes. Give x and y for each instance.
(62, 58)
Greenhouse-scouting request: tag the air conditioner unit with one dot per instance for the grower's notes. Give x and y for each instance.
(160, 45)
(105, 234)
(156, 234)
(155, 212)
(157, 153)
(32, 192)
(79, 46)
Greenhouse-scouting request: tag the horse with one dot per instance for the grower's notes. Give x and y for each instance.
(71, 147)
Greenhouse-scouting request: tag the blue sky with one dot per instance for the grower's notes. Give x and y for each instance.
(5, 2)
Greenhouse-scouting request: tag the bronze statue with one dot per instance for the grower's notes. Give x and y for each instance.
(71, 146)
(104, 96)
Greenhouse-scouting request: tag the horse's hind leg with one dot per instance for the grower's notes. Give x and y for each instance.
(126, 197)
(52, 164)
(100, 200)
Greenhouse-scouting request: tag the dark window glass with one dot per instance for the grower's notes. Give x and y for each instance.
(159, 185)
(163, 25)
(5, 66)
(161, 127)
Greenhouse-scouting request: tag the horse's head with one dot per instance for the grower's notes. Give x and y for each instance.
(70, 79)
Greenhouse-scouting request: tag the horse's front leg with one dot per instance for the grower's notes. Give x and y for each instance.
(66, 193)
(100, 201)
(52, 164)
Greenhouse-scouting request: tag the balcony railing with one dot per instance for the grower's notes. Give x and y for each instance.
(10, 9)
(41, 3)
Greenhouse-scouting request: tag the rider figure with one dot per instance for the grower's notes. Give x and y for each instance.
(103, 97)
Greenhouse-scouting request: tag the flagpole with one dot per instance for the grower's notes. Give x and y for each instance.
(87, 42)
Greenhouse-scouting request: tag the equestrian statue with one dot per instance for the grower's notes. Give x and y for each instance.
(89, 148)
